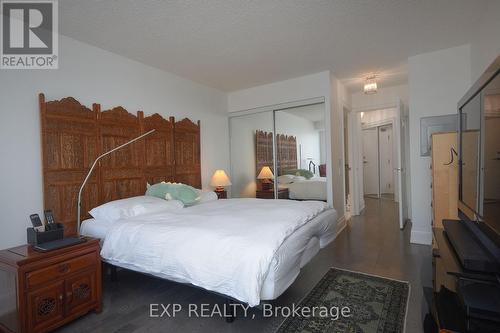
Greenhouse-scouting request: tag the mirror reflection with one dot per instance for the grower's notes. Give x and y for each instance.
(301, 152)
(245, 166)
(491, 199)
(298, 145)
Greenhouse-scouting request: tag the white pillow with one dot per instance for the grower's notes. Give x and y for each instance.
(286, 179)
(299, 178)
(131, 207)
(208, 196)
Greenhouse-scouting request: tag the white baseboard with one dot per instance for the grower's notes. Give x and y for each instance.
(421, 237)
(342, 223)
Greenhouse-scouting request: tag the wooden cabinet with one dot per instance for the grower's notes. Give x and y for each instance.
(43, 291)
(45, 306)
(269, 194)
(446, 305)
(80, 292)
(444, 177)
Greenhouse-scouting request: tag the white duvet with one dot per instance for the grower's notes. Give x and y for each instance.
(224, 246)
(310, 189)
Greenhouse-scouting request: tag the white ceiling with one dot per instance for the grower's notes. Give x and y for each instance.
(237, 44)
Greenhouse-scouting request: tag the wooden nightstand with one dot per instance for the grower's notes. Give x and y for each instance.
(43, 291)
(221, 194)
(269, 194)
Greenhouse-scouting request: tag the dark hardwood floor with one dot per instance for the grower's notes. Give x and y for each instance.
(371, 243)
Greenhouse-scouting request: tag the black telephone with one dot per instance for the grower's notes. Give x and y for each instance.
(49, 216)
(36, 222)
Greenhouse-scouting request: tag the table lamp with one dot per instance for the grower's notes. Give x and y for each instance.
(219, 180)
(266, 175)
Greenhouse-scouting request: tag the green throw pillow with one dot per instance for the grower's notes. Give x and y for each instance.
(187, 194)
(174, 191)
(299, 172)
(159, 190)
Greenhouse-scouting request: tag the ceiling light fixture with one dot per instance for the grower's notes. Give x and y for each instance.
(370, 86)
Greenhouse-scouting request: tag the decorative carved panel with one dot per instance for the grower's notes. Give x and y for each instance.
(122, 171)
(286, 146)
(263, 151)
(187, 152)
(160, 158)
(73, 136)
(69, 146)
(286, 152)
(45, 306)
(80, 290)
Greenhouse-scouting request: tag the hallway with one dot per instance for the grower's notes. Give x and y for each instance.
(374, 244)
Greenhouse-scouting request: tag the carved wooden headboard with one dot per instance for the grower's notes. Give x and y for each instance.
(286, 151)
(73, 135)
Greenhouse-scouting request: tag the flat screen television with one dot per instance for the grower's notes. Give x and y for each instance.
(479, 158)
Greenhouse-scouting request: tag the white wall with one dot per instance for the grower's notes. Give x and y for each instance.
(308, 142)
(486, 45)
(384, 98)
(437, 81)
(376, 117)
(91, 75)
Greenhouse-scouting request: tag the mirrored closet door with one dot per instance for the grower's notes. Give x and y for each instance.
(280, 153)
(301, 152)
(251, 143)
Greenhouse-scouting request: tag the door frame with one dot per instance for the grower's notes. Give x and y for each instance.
(377, 124)
(349, 188)
(356, 177)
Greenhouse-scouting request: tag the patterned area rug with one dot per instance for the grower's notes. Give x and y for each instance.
(376, 304)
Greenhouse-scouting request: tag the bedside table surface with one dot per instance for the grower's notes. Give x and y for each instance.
(25, 254)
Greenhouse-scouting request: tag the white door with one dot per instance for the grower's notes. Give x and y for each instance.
(401, 127)
(385, 140)
(370, 161)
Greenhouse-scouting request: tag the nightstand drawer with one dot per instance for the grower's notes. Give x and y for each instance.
(60, 270)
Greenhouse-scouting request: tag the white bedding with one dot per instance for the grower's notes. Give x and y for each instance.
(225, 246)
(308, 189)
(295, 252)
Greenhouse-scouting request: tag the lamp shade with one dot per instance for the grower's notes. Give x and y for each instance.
(265, 173)
(220, 179)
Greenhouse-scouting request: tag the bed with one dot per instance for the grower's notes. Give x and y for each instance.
(73, 135)
(204, 245)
